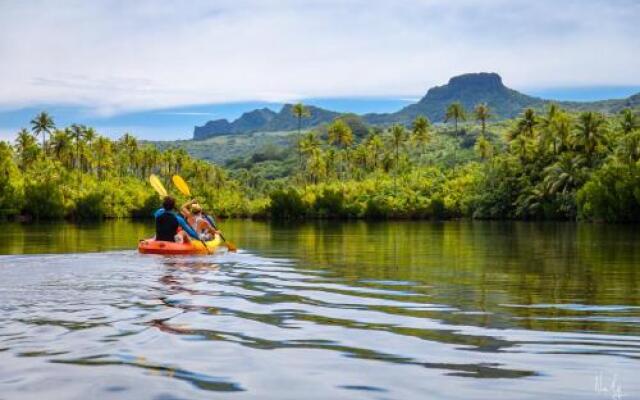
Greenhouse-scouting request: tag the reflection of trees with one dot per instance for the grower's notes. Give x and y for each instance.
(60, 237)
(475, 266)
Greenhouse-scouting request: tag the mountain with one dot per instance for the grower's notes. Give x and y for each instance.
(264, 120)
(249, 121)
(468, 89)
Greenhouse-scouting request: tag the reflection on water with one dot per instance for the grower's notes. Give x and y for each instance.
(388, 310)
(58, 237)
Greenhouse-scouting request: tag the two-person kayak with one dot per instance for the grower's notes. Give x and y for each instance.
(152, 246)
(179, 237)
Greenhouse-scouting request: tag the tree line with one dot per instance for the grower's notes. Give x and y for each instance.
(74, 172)
(544, 164)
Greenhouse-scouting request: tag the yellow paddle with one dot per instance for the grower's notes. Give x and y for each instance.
(184, 188)
(158, 186)
(162, 192)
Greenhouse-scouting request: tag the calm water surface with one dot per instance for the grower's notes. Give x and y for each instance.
(454, 310)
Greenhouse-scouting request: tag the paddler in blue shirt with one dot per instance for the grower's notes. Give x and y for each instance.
(168, 221)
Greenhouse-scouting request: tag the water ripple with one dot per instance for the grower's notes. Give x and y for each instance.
(245, 325)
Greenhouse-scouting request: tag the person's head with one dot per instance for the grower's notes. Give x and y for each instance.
(196, 209)
(169, 203)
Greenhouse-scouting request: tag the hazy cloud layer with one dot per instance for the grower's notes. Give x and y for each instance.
(126, 55)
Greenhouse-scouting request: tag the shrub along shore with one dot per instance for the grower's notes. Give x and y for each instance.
(545, 164)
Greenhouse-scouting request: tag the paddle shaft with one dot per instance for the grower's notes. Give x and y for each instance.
(213, 223)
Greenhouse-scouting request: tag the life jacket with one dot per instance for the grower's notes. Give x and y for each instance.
(166, 227)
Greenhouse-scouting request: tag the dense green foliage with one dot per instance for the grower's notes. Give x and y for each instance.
(550, 165)
(80, 175)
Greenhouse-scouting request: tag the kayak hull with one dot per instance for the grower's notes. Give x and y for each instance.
(152, 246)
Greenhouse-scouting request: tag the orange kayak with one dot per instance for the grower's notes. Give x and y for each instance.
(152, 246)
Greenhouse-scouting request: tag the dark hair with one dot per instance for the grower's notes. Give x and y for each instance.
(169, 203)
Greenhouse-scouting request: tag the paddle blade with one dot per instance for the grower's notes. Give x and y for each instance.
(231, 246)
(181, 185)
(157, 185)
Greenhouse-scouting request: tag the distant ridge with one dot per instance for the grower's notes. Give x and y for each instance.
(264, 120)
(468, 89)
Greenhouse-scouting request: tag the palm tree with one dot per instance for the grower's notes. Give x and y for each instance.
(103, 148)
(484, 148)
(482, 114)
(88, 136)
(530, 201)
(330, 157)
(590, 131)
(552, 111)
(628, 148)
(316, 165)
(60, 142)
(374, 145)
(341, 135)
(566, 174)
(130, 146)
(547, 124)
(521, 146)
(628, 121)
(526, 124)
(77, 133)
(181, 157)
(309, 143)
(26, 148)
(561, 126)
(167, 160)
(421, 131)
(300, 111)
(456, 112)
(43, 124)
(149, 155)
(398, 137)
(361, 157)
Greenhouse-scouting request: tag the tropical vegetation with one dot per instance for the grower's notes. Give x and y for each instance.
(542, 165)
(78, 174)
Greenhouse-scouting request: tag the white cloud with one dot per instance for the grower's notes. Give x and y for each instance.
(119, 55)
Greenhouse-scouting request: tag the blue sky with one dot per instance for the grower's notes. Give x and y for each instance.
(175, 122)
(158, 67)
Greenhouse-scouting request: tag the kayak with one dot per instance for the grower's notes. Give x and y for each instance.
(152, 246)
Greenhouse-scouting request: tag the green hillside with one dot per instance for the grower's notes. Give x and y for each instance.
(221, 149)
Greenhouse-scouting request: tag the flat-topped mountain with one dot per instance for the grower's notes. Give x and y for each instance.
(468, 89)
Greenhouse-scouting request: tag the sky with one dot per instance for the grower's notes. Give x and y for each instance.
(156, 68)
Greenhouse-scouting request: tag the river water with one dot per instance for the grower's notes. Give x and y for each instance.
(407, 310)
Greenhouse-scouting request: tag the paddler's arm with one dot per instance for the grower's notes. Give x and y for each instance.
(185, 208)
(185, 227)
(206, 225)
